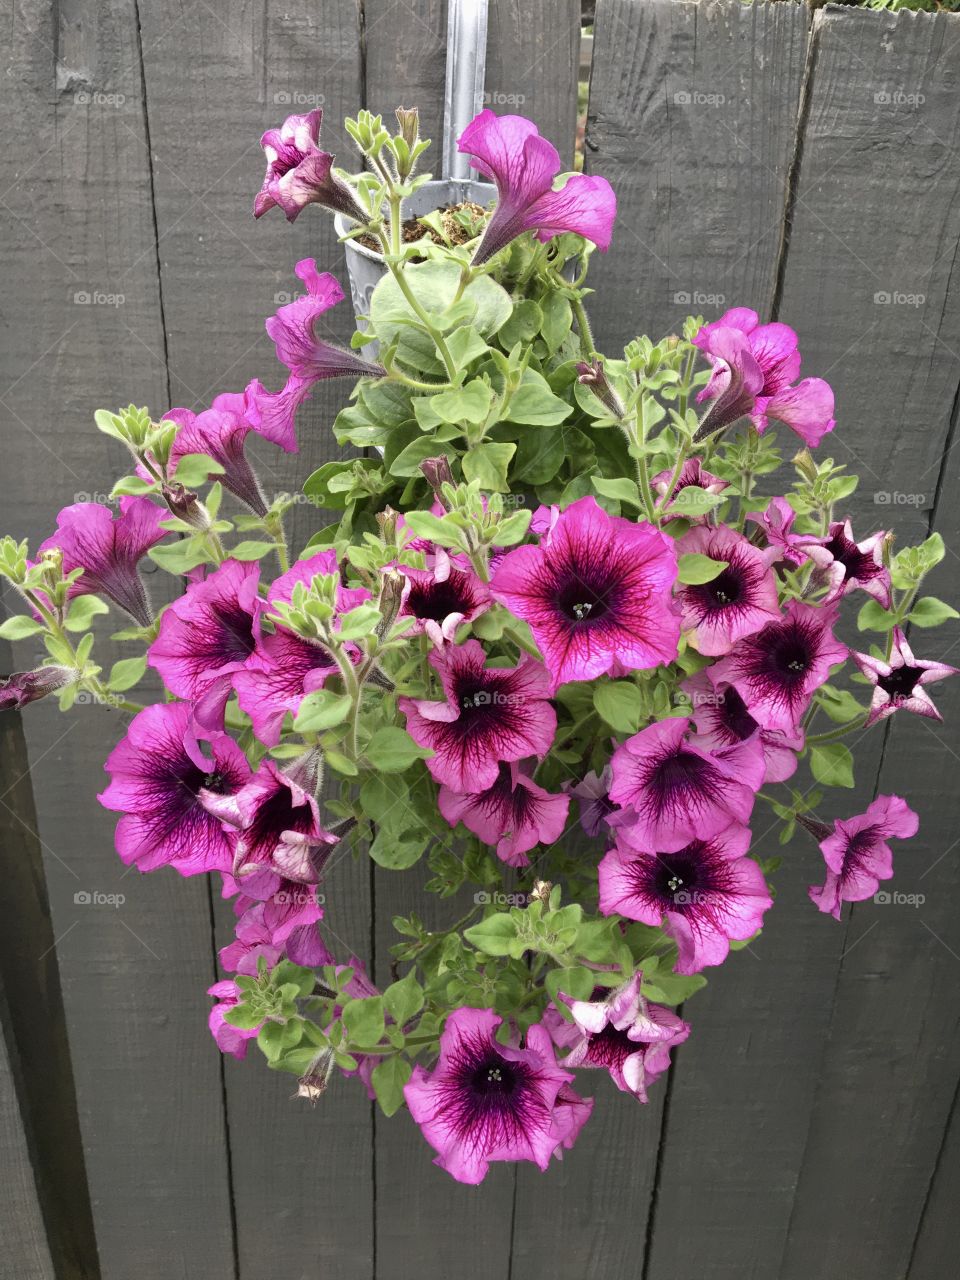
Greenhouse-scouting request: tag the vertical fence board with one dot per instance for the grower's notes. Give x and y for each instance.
(935, 1249)
(303, 1192)
(78, 220)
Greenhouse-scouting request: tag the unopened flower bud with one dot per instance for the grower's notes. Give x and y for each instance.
(21, 687)
(592, 375)
(819, 830)
(392, 584)
(387, 522)
(408, 118)
(541, 890)
(186, 506)
(313, 1083)
(438, 473)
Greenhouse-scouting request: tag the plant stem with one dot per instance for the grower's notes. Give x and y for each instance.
(587, 348)
(419, 311)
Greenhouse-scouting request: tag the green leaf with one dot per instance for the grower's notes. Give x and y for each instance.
(388, 1078)
(126, 673)
(180, 557)
(407, 462)
(469, 403)
(535, 404)
(363, 1020)
(673, 988)
(694, 501)
(695, 569)
(243, 1017)
(403, 999)
(251, 550)
(620, 704)
(497, 936)
(83, 610)
(358, 623)
(513, 529)
(523, 325)
(19, 628)
(393, 750)
(930, 612)
(839, 704)
(398, 852)
(321, 710)
(487, 464)
(622, 490)
(466, 345)
(194, 468)
(832, 764)
(576, 982)
(873, 617)
(557, 320)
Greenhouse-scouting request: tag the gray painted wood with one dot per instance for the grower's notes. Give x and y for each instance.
(78, 219)
(222, 273)
(935, 1249)
(25, 1254)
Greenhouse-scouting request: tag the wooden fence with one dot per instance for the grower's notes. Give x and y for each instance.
(803, 163)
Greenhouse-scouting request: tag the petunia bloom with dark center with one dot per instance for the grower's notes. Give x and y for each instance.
(703, 894)
(485, 1101)
(514, 814)
(442, 598)
(846, 565)
(722, 720)
(858, 855)
(109, 548)
(492, 715)
(161, 781)
(899, 681)
(672, 791)
(777, 670)
(741, 599)
(596, 594)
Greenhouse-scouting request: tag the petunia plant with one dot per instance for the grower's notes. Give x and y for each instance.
(575, 624)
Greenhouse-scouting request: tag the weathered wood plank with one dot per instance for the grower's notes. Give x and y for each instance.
(935, 1249)
(222, 274)
(78, 224)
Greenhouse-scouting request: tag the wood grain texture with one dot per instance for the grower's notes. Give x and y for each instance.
(77, 219)
(25, 1254)
(222, 274)
(935, 1248)
(692, 118)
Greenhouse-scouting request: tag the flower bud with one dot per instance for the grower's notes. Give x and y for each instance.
(313, 1083)
(21, 687)
(438, 473)
(408, 118)
(186, 506)
(392, 584)
(592, 375)
(819, 830)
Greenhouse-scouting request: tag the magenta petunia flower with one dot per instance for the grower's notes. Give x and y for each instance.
(596, 594)
(777, 670)
(232, 1040)
(755, 367)
(162, 782)
(722, 720)
(898, 683)
(777, 522)
(491, 716)
(703, 894)
(207, 635)
(442, 598)
(692, 475)
(846, 564)
(673, 792)
(514, 814)
(299, 173)
(857, 854)
(739, 601)
(22, 687)
(220, 433)
(525, 167)
(620, 1031)
(486, 1101)
(592, 793)
(109, 549)
(285, 667)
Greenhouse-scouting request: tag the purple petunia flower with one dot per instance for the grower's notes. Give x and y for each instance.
(777, 670)
(722, 720)
(22, 687)
(777, 522)
(162, 782)
(514, 814)
(108, 549)
(525, 167)
(692, 475)
(491, 716)
(673, 792)
(285, 667)
(596, 594)
(846, 564)
(207, 635)
(309, 358)
(220, 433)
(299, 173)
(754, 368)
(898, 682)
(232, 1040)
(486, 1101)
(592, 792)
(857, 854)
(703, 894)
(620, 1031)
(442, 598)
(740, 600)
